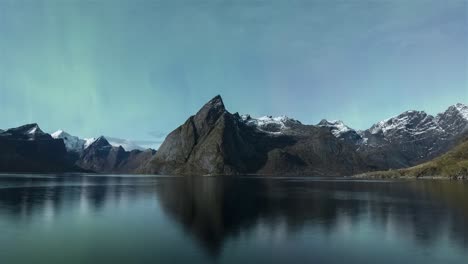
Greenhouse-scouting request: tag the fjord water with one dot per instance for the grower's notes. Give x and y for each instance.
(130, 219)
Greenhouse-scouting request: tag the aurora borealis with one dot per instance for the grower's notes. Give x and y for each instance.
(136, 69)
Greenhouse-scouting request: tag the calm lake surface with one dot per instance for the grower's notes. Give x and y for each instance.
(125, 219)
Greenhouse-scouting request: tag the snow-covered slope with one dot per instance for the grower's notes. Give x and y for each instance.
(411, 123)
(338, 128)
(341, 131)
(35, 130)
(72, 143)
(269, 124)
(462, 109)
(88, 142)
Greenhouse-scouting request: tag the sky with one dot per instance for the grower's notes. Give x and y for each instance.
(137, 69)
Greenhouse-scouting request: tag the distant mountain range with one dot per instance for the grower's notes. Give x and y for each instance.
(29, 149)
(407, 139)
(74, 143)
(217, 142)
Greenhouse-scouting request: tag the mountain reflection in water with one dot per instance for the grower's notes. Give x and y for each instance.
(220, 215)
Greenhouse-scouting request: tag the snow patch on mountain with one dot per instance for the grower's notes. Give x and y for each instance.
(415, 122)
(270, 124)
(338, 128)
(34, 130)
(88, 142)
(462, 109)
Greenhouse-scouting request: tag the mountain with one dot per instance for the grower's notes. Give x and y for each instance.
(76, 144)
(100, 156)
(453, 165)
(217, 142)
(342, 131)
(405, 140)
(214, 141)
(269, 124)
(72, 143)
(28, 149)
(128, 145)
(454, 120)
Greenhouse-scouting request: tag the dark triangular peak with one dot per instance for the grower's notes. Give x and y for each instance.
(100, 142)
(323, 122)
(209, 114)
(215, 103)
(30, 129)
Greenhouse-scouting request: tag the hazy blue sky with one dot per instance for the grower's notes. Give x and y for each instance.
(137, 69)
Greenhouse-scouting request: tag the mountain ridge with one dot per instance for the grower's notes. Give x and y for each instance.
(282, 145)
(214, 141)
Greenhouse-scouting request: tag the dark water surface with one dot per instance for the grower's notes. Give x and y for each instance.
(114, 219)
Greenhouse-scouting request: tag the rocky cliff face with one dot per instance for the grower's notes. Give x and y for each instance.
(207, 143)
(214, 141)
(28, 149)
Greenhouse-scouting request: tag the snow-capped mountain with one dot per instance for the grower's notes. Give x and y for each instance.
(417, 125)
(269, 124)
(412, 122)
(27, 132)
(28, 149)
(407, 138)
(341, 131)
(399, 141)
(215, 141)
(72, 143)
(338, 128)
(76, 144)
(454, 120)
(408, 126)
